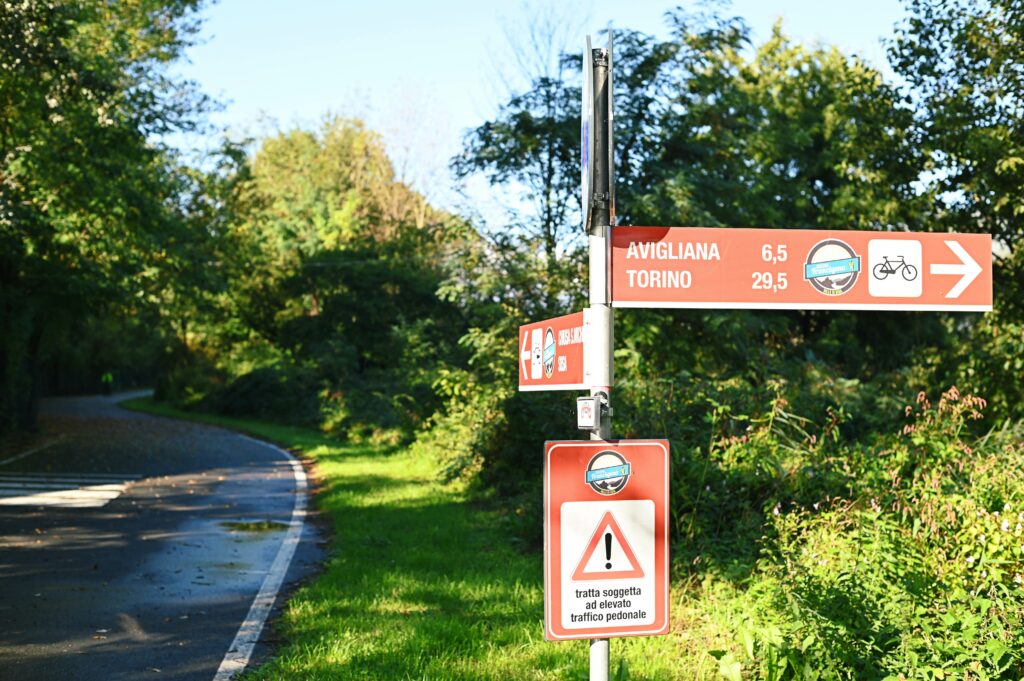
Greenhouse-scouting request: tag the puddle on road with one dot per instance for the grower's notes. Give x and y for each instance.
(255, 525)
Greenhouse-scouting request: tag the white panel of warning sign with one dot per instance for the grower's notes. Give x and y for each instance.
(607, 563)
(606, 538)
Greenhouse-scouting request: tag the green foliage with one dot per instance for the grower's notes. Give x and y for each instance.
(277, 393)
(788, 137)
(89, 197)
(832, 530)
(329, 270)
(899, 559)
(822, 527)
(961, 59)
(987, 357)
(532, 147)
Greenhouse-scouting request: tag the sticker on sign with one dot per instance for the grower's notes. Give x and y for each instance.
(606, 538)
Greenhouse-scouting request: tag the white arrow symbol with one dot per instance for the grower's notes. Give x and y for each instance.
(969, 269)
(524, 356)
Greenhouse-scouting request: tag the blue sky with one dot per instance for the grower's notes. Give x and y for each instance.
(421, 73)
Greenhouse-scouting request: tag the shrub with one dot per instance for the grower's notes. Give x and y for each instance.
(898, 560)
(281, 393)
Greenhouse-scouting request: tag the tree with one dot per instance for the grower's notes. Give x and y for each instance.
(962, 60)
(710, 130)
(87, 192)
(788, 137)
(328, 310)
(531, 149)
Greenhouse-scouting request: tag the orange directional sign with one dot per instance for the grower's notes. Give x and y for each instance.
(800, 269)
(551, 354)
(605, 538)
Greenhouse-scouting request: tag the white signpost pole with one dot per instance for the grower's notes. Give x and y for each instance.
(597, 219)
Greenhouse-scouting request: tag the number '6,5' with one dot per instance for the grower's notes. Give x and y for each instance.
(779, 254)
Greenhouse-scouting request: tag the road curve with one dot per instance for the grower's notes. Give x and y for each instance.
(133, 547)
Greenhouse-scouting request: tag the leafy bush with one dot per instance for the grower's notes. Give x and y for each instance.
(186, 374)
(281, 393)
(991, 360)
(898, 560)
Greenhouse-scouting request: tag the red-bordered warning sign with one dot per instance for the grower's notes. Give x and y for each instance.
(605, 538)
(607, 534)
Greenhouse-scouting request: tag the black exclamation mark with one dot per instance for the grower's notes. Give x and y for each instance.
(608, 550)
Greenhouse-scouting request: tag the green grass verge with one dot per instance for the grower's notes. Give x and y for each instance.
(420, 583)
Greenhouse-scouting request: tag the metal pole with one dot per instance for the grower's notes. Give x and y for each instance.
(600, 292)
(598, 659)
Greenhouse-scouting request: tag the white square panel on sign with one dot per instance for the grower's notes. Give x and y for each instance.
(894, 268)
(607, 563)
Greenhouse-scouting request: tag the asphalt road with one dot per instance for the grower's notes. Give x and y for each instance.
(132, 547)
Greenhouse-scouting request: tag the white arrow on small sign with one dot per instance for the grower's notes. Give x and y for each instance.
(524, 355)
(968, 268)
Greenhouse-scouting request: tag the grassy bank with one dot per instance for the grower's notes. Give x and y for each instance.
(422, 584)
(892, 581)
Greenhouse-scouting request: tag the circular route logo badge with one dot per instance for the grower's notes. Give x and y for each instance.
(608, 473)
(832, 267)
(549, 352)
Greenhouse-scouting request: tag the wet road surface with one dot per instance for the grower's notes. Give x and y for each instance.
(131, 546)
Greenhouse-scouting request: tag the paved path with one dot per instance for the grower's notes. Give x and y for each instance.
(127, 548)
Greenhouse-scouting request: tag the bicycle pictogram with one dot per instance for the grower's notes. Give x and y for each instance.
(885, 268)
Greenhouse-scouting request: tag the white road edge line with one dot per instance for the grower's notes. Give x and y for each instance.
(19, 457)
(248, 634)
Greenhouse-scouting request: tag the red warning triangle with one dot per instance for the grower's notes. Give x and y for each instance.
(607, 524)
